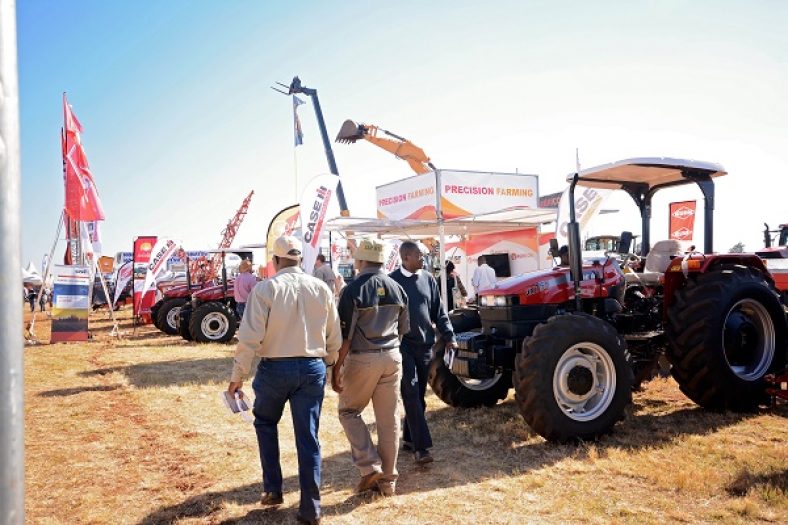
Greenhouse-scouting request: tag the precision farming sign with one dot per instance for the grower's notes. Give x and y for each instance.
(461, 193)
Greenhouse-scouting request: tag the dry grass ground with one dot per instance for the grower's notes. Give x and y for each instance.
(132, 431)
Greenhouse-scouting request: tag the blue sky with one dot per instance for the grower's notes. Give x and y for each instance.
(180, 123)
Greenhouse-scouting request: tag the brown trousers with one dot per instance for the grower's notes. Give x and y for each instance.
(372, 376)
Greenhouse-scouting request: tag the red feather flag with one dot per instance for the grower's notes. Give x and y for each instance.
(82, 200)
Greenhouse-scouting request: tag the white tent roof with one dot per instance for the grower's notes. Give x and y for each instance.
(500, 221)
(31, 269)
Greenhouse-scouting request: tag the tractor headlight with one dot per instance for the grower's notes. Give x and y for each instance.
(495, 300)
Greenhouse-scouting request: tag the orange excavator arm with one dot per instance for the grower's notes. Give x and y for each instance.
(399, 146)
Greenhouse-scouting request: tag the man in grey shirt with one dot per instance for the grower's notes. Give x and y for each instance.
(324, 272)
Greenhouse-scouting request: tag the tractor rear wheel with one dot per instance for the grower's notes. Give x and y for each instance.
(726, 330)
(573, 379)
(459, 391)
(213, 322)
(184, 321)
(167, 315)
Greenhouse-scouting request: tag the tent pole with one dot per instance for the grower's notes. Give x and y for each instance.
(48, 270)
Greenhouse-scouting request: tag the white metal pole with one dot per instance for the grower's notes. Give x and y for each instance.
(48, 270)
(441, 237)
(12, 424)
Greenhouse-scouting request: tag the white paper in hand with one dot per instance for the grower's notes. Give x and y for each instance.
(236, 404)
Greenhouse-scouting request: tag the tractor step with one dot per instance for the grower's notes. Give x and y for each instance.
(778, 385)
(642, 336)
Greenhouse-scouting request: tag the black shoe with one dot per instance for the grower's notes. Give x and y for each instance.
(272, 498)
(307, 521)
(423, 457)
(407, 445)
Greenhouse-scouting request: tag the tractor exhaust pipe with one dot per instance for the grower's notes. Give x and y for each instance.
(350, 132)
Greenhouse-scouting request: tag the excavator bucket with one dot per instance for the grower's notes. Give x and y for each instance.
(351, 132)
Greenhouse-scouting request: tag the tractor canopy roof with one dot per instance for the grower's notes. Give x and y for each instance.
(646, 174)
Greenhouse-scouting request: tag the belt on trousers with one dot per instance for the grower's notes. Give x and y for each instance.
(287, 358)
(374, 350)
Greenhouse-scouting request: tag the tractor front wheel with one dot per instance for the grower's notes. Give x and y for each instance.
(573, 378)
(167, 315)
(726, 331)
(463, 392)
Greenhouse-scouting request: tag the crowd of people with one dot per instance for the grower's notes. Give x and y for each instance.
(376, 333)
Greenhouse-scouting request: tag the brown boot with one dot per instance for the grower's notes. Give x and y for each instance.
(368, 482)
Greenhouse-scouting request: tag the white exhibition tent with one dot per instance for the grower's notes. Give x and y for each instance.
(30, 275)
(510, 219)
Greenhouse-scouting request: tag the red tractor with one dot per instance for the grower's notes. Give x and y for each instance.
(775, 255)
(209, 315)
(574, 340)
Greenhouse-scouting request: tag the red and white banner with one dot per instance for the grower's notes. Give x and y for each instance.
(462, 193)
(315, 202)
(143, 246)
(588, 202)
(82, 200)
(160, 254)
(121, 280)
(393, 258)
(681, 226)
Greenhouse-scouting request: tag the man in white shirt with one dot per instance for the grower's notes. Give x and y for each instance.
(291, 323)
(483, 276)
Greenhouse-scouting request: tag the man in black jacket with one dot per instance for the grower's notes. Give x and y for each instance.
(425, 309)
(373, 312)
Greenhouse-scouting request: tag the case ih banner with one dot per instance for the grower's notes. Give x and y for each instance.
(159, 256)
(70, 303)
(588, 202)
(143, 246)
(315, 202)
(682, 220)
(461, 193)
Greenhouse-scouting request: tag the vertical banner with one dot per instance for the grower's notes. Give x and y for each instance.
(70, 303)
(160, 254)
(315, 201)
(143, 300)
(681, 226)
(588, 202)
(392, 259)
(121, 280)
(284, 223)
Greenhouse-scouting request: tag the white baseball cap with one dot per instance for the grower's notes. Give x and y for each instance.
(288, 247)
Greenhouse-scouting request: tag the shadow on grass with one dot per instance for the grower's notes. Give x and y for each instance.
(472, 445)
(179, 372)
(63, 392)
(746, 481)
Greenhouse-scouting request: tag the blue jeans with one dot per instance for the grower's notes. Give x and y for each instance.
(239, 309)
(300, 381)
(415, 371)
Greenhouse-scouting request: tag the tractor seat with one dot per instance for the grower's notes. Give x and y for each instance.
(657, 262)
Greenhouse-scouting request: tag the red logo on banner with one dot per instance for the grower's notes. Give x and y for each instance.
(682, 220)
(142, 304)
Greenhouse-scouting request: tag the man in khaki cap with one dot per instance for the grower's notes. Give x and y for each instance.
(373, 311)
(291, 323)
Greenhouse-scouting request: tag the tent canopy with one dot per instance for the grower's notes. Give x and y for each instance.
(501, 221)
